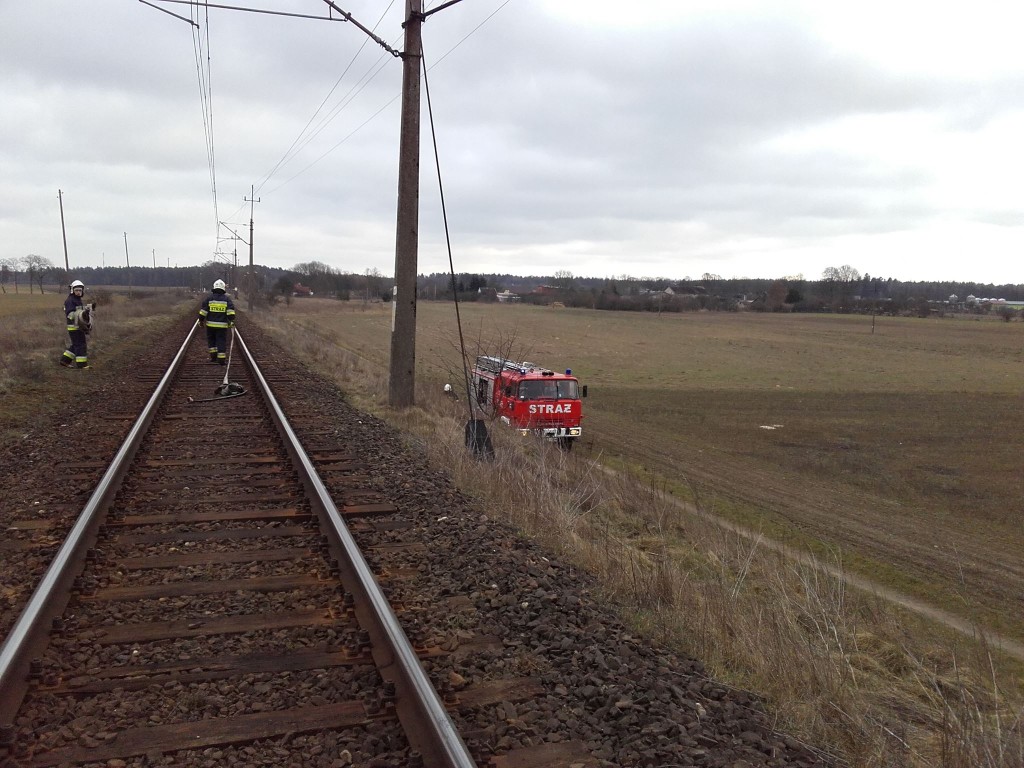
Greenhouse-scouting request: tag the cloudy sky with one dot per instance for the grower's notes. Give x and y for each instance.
(644, 138)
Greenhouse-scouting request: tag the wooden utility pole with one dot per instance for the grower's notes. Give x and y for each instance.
(234, 268)
(250, 279)
(67, 266)
(128, 265)
(402, 381)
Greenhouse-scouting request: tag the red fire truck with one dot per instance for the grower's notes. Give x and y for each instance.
(530, 398)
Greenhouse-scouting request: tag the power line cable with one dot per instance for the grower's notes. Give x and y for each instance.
(301, 143)
(346, 138)
(470, 33)
(289, 154)
(349, 97)
(382, 108)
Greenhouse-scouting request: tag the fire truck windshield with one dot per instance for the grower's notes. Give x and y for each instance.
(563, 389)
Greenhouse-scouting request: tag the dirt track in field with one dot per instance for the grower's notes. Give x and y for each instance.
(904, 600)
(941, 555)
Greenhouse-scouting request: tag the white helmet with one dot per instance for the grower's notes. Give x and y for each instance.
(77, 284)
(220, 285)
(447, 387)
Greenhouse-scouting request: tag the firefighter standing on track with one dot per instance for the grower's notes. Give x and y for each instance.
(218, 314)
(75, 356)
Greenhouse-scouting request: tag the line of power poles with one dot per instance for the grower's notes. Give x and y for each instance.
(63, 232)
(236, 237)
(64, 235)
(250, 280)
(128, 265)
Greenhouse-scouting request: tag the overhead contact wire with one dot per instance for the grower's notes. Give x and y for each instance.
(213, 152)
(204, 76)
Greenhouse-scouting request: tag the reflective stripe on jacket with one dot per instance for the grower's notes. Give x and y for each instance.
(71, 304)
(218, 310)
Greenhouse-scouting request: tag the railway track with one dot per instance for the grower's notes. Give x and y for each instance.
(211, 551)
(221, 601)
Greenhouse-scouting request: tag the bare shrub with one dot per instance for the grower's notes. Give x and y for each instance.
(102, 296)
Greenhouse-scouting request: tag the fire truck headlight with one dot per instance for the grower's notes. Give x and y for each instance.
(524, 432)
(574, 431)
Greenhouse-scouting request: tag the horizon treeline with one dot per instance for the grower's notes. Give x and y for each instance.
(839, 289)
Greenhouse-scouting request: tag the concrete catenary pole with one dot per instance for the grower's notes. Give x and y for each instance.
(402, 380)
(64, 234)
(251, 278)
(128, 265)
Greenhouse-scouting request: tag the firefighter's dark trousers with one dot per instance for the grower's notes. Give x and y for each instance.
(217, 342)
(76, 354)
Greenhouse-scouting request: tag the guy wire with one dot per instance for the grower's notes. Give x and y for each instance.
(447, 235)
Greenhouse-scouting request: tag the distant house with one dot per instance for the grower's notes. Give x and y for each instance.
(547, 290)
(300, 290)
(691, 290)
(507, 296)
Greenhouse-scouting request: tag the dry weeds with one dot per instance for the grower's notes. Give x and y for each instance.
(33, 336)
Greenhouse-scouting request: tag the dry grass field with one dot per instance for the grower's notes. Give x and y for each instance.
(32, 337)
(895, 450)
(14, 304)
(893, 455)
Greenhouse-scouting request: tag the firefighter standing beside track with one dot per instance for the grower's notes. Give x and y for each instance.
(78, 317)
(218, 314)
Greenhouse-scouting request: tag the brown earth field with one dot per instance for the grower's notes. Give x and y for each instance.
(892, 446)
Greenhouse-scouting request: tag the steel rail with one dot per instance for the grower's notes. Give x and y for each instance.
(444, 742)
(51, 595)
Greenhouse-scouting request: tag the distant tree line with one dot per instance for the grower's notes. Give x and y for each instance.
(840, 289)
(32, 272)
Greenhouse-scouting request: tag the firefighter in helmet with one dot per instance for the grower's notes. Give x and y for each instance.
(218, 314)
(78, 318)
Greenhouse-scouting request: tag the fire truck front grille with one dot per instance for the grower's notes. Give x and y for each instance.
(540, 422)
